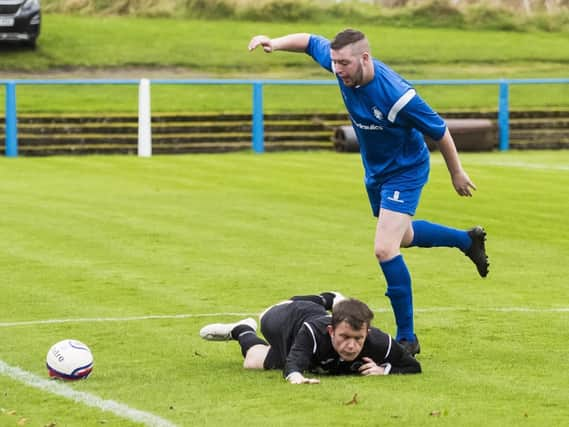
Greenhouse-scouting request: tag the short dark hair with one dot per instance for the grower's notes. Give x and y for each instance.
(346, 37)
(352, 311)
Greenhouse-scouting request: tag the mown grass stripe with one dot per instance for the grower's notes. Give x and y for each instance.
(243, 314)
(63, 390)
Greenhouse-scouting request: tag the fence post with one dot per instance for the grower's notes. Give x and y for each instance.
(11, 121)
(504, 116)
(144, 127)
(258, 125)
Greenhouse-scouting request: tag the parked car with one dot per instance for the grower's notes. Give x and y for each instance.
(20, 21)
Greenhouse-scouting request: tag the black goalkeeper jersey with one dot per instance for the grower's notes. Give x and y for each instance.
(299, 339)
(312, 350)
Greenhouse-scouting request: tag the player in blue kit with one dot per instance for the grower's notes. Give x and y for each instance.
(389, 119)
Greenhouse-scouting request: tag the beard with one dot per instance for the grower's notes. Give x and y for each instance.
(356, 79)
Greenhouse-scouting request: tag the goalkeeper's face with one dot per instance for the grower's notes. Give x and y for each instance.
(347, 341)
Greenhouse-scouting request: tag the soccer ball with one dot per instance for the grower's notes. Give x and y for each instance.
(69, 360)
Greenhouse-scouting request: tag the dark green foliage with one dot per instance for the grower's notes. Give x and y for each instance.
(286, 11)
(439, 13)
(434, 13)
(488, 18)
(350, 12)
(545, 22)
(209, 9)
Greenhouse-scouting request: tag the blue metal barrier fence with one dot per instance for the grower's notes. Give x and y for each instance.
(257, 101)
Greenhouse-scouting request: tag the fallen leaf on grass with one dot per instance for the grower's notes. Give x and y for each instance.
(50, 425)
(11, 412)
(22, 421)
(435, 413)
(354, 400)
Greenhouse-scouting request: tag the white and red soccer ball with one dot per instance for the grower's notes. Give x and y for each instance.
(69, 360)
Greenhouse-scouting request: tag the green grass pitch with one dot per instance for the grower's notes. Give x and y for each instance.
(113, 240)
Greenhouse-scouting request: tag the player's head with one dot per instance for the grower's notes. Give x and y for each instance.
(351, 56)
(351, 320)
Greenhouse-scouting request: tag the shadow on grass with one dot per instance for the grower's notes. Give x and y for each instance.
(15, 47)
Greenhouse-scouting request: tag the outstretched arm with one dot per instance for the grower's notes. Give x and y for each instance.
(299, 357)
(298, 378)
(292, 42)
(460, 180)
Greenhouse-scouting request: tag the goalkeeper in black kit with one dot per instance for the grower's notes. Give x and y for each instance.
(301, 336)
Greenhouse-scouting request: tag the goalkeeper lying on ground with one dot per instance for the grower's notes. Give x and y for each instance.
(302, 336)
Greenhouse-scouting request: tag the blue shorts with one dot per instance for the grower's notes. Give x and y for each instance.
(400, 193)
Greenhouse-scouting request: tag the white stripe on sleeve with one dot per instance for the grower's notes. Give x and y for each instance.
(400, 104)
(313, 337)
(388, 347)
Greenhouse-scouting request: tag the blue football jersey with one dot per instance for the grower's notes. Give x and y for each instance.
(388, 116)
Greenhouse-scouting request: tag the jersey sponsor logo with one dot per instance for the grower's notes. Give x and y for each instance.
(377, 114)
(395, 197)
(367, 127)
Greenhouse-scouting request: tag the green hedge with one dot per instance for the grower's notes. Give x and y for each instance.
(435, 13)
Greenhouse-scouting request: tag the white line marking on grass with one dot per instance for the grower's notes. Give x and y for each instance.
(522, 165)
(494, 309)
(55, 387)
(120, 319)
(199, 315)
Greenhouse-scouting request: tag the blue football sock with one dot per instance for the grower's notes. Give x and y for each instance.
(399, 292)
(428, 234)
